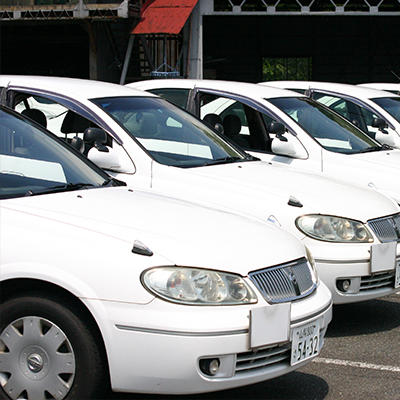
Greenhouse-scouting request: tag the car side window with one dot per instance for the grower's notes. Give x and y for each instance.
(179, 97)
(57, 118)
(334, 103)
(66, 124)
(44, 111)
(357, 115)
(241, 123)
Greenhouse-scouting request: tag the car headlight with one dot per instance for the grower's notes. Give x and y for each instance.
(198, 286)
(333, 229)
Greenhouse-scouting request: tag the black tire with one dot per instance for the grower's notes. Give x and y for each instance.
(47, 351)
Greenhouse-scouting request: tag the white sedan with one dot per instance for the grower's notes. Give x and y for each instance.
(375, 112)
(149, 143)
(112, 285)
(284, 127)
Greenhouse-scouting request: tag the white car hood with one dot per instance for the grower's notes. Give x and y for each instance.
(378, 169)
(263, 190)
(181, 232)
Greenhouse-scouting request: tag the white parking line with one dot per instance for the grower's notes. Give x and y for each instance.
(357, 364)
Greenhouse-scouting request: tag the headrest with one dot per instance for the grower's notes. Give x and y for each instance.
(36, 115)
(232, 125)
(212, 119)
(74, 123)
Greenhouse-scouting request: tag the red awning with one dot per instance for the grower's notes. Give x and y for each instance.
(164, 16)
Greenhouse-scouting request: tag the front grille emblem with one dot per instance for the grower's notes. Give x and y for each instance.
(292, 277)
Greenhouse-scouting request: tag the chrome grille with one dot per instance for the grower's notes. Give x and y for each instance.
(377, 281)
(286, 282)
(386, 229)
(264, 358)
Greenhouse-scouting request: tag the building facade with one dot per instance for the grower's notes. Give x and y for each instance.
(351, 41)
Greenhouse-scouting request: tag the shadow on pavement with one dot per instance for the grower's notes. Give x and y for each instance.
(365, 318)
(296, 385)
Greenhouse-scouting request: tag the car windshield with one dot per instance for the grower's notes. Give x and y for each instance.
(170, 135)
(391, 105)
(330, 130)
(32, 161)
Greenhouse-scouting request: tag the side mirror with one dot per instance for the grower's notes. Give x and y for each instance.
(103, 156)
(383, 136)
(380, 123)
(285, 145)
(96, 137)
(279, 129)
(108, 160)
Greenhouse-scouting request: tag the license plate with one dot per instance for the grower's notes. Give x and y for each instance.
(305, 342)
(397, 275)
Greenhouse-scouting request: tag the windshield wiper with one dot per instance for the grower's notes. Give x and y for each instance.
(249, 157)
(113, 182)
(59, 188)
(376, 148)
(223, 160)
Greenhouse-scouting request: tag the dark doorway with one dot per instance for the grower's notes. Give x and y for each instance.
(44, 49)
(351, 49)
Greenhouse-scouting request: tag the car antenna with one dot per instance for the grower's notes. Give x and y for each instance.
(394, 73)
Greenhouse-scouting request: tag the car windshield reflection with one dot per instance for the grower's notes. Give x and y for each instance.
(33, 162)
(391, 105)
(170, 135)
(330, 130)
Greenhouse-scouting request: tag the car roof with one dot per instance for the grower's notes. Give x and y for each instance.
(382, 86)
(78, 88)
(343, 88)
(250, 90)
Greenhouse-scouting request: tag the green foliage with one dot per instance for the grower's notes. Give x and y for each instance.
(275, 69)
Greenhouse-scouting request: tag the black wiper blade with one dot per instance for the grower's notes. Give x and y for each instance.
(59, 188)
(113, 182)
(224, 160)
(376, 148)
(249, 157)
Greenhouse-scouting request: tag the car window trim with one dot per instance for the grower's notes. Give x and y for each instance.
(67, 102)
(356, 101)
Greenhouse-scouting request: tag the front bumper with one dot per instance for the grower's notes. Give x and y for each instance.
(158, 348)
(347, 270)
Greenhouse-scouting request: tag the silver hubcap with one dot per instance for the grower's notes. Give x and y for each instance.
(36, 360)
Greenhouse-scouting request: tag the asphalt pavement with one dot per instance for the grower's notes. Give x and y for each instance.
(360, 360)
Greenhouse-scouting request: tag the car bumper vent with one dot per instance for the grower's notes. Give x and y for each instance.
(386, 229)
(286, 282)
(261, 359)
(265, 359)
(377, 281)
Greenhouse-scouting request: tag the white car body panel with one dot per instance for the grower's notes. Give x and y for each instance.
(257, 189)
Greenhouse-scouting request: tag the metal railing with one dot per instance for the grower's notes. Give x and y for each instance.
(19, 3)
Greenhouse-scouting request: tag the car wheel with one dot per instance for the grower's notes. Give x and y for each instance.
(47, 351)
